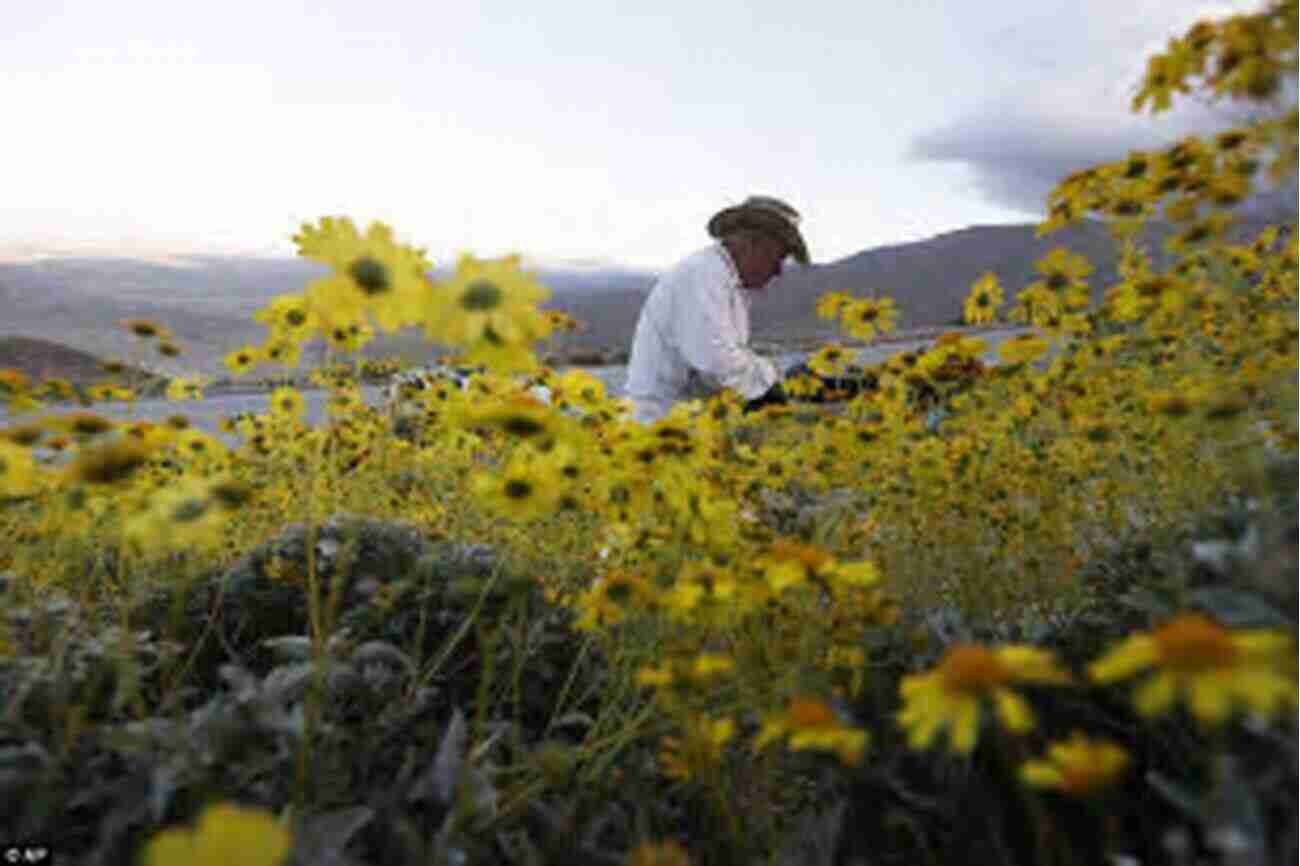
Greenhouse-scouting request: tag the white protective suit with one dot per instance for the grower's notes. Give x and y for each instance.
(692, 338)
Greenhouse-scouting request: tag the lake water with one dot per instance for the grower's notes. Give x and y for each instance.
(207, 414)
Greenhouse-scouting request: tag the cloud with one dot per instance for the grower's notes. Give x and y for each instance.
(1017, 149)
(1022, 141)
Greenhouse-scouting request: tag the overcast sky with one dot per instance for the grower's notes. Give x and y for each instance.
(565, 130)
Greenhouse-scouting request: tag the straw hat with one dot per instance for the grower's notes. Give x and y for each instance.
(765, 213)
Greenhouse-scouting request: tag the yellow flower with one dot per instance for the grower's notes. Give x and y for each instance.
(144, 328)
(195, 444)
(859, 574)
(487, 301)
(830, 304)
(287, 402)
(1200, 233)
(226, 834)
(1077, 766)
(950, 696)
(184, 516)
(581, 387)
(698, 749)
(17, 470)
(790, 563)
(811, 724)
(667, 853)
(289, 316)
(240, 361)
(865, 318)
(181, 389)
(1216, 670)
(523, 490)
(829, 360)
(561, 321)
(701, 591)
(372, 273)
(521, 416)
(1165, 76)
(612, 598)
(108, 463)
(706, 666)
(25, 435)
(14, 381)
(1023, 348)
(283, 351)
(59, 389)
(1063, 270)
(81, 424)
(983, 301)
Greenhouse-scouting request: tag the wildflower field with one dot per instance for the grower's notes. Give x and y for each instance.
(1033, 613)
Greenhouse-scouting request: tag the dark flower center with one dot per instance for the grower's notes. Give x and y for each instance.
(519, 425)
(189, 510)
(518, 489)
(481, 295)
(370, 274)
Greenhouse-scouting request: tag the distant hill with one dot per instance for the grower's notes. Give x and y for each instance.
(45, 359)
(929, 280)
(208, 301)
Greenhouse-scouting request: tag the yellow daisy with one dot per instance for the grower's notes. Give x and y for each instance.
(812, 724)
(830, 304)
(698, 749)
(289, 316)
(1023, 348)
(523, 490)
(829, 360)
(490, 301)
(864, 319)
(108, 463)
(1077, 766)
(982, 303)
(17, 470)
(373, 274)
(241, 361)
(226, 834)
(1214, 669)
(183, 516)
(288, 403)
(185, 388)
(666, 853)
(950, 696)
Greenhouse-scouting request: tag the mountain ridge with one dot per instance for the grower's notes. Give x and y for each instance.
(76, 300)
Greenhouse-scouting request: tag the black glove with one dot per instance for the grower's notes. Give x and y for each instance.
(774, 396)
(844, 387)
(800, 369)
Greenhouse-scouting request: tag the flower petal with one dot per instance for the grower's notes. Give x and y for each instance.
(1132, 655)
(1211, 699)
(965, 726)
(1014, 711)
(1154, 697)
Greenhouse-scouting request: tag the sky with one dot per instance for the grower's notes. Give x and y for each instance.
(566, 131)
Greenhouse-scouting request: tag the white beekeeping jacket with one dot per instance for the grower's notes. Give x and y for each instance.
(692, 338)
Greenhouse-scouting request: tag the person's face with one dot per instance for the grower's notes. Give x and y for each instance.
(762, 263)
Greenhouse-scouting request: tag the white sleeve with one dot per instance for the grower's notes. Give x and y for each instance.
(711, 344)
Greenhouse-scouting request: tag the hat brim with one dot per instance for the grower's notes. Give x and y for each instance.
(739, 217)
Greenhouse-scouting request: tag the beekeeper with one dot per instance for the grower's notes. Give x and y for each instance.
(692, 337)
